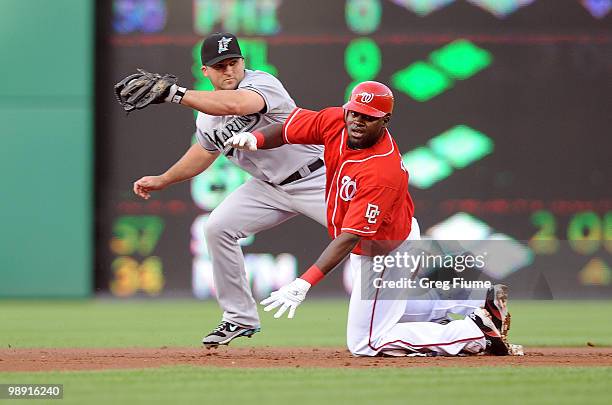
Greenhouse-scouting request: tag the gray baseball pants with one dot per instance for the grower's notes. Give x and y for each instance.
(253, 207)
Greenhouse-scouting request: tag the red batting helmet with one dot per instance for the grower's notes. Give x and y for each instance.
(371, 98)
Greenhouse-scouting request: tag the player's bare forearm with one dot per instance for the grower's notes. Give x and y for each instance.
(224, 102)
(193, 162)
(336, 251)
(273, 136)
(292, 294)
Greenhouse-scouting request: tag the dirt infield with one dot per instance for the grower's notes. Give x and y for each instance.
(99, 359)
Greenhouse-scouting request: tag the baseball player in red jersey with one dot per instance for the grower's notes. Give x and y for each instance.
(369, 213)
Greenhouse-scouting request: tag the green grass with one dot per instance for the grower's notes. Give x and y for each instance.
(327, 386)
(136, 323)
(113, 323)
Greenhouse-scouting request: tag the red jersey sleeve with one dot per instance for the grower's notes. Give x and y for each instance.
(309, 127)
(368, 210)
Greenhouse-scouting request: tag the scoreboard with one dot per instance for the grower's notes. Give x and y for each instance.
(502, 117)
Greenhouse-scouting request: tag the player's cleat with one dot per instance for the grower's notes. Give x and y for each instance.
(496, 305)
(225, 333)
(496, 343)
(517, 350)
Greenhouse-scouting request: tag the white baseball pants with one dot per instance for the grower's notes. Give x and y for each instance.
(376, 325)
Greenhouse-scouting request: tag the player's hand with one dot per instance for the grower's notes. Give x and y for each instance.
(145, 185)
(288, 297)
(243, 140)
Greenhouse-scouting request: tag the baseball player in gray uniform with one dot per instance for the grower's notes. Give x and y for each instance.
(285, 182)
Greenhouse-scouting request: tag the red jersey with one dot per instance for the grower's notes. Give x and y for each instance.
(366, 189)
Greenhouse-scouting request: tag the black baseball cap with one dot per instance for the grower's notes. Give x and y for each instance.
(219, 46)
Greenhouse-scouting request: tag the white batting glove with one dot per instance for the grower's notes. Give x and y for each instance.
(243, 140)
(288, 297)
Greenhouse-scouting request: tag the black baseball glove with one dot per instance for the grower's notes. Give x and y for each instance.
(137, 91)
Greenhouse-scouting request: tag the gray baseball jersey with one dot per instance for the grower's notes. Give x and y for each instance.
(272, 165)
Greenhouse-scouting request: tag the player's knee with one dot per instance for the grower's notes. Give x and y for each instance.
(214, 228)
(221, 227)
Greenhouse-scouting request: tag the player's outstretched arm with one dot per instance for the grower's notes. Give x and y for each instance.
(141, 89)
(336, 251)
(193, 162)
(291, 296)
(268, 137)
(224, 102)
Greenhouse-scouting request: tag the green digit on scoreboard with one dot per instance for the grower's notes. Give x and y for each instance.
(255, 52)
(206, 13)
(257, 17)
(136, 234)
(211, 187)
(362, 60)
(242, 16)
(363, 16)
(584, 232)
(130, 276)
(545, 241)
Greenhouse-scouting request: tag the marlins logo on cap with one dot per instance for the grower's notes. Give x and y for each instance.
(219, 46)
(223, 42)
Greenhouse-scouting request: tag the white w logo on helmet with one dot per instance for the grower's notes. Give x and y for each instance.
(366, 97)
